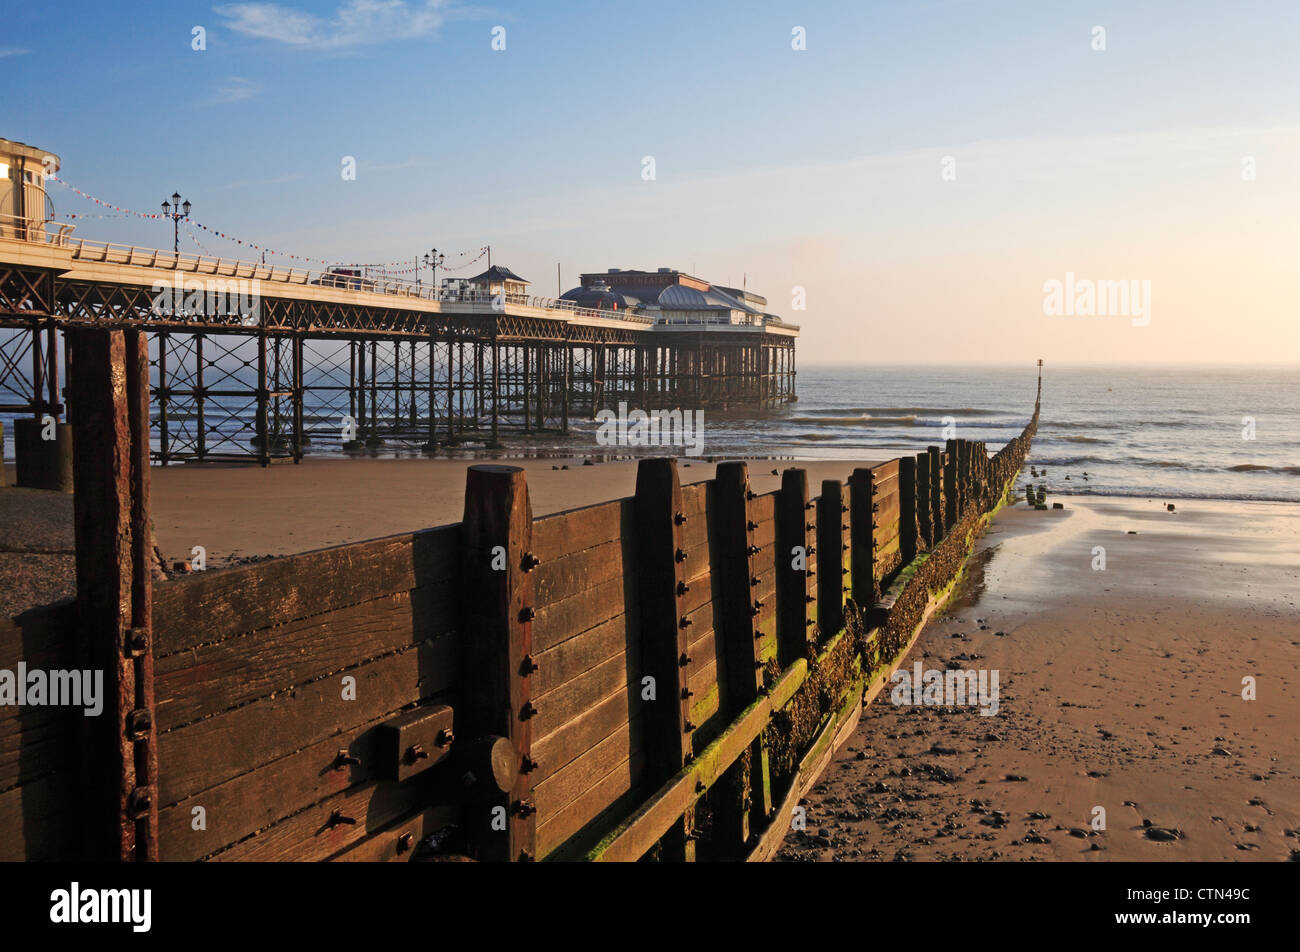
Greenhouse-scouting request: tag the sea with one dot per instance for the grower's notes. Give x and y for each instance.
(1148, 431)
(1143, 431)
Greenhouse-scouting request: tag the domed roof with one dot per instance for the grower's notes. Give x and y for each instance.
(598, 295)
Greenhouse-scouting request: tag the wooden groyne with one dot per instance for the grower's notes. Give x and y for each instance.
(659, 676)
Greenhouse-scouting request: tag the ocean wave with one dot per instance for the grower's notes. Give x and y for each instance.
(1261, 468)
(941, 411)
(853, 421)
(1163, 493)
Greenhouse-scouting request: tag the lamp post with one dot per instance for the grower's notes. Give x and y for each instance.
(181, 211)
(433, 259)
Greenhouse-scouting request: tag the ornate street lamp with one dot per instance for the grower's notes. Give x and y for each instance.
(181, 211)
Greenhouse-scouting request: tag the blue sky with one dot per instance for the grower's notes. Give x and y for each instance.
(818, 168)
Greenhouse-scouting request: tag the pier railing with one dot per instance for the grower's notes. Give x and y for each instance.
(658, 676)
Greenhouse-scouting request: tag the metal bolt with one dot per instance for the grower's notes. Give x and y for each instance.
(524, 807)
(343, 759)
(136, 642)
(337, 818)
(405, 841)
(139, 802)
(753, 581)
(684, 660)
(679, 518)
(416, 752)
(699, 786)
(529, 562)
(687, 692)
(679, 555)
(527, 614)
(688, 726)
(138, 724)
(527, 764)
(751, 525)
(682, 588)
(527, 711)
(528, 666)
(446, 737)
(684, 622)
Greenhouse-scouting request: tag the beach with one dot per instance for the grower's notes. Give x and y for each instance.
(239, 513)
(1119, 688)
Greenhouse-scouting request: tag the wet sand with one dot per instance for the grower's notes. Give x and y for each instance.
(1118, 688)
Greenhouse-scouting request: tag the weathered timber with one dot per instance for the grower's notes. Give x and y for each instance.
(662, 574)
(499, 606)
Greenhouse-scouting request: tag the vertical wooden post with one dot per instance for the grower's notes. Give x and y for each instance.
(862, 538)
(499, 606)
(938, 526)
(741, 636)
(830, 558)
(792, 582)
(110, 388)
(662, 571)
(907, 509)
(952, 484)
(924, 511)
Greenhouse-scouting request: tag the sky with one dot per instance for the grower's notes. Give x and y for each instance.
(906, 187)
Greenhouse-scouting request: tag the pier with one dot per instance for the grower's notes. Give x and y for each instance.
(256, 362)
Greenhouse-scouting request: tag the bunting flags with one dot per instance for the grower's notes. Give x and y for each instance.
(391, 267)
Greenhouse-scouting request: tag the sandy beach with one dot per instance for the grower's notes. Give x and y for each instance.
(240, 512)
(1119, 688)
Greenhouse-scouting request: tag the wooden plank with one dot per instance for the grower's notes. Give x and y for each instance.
(581, 653)
(558, 621)
(560, 705)
(39, 821)
(207, 752)
(257, 799)
(500, 602)
(571, 574)
(214, 678)
(321, 830)
(586, 816)
(396, 842)
(568, 783)
(208, 606)
(560, 747)
(564, 533)
(886, 471)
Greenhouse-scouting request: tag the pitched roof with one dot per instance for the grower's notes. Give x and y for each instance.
(498, 273)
